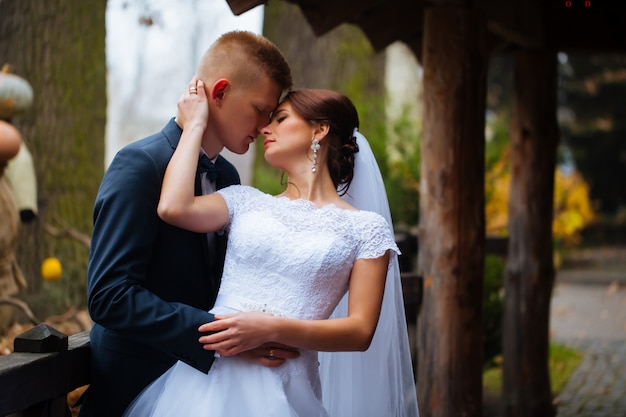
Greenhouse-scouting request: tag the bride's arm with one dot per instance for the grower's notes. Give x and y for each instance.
(243, 331)
(178, 205)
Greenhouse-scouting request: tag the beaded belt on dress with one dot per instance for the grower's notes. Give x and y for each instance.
(235, 302)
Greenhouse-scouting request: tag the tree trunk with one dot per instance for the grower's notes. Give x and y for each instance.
(58, 46)
(452, 224)
(529, 275)
(334, 60)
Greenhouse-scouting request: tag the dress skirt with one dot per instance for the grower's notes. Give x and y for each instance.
(232, 388)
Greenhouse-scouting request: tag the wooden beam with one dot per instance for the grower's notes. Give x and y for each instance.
(597, 28)
(588, 30)
(416, 44)
(407, 17)
(408, 22)
(241, 6)
(518, 22)
(325, 15)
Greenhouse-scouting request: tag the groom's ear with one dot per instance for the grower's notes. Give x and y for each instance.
(218, 91)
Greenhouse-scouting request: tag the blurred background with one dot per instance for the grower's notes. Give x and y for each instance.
(105, 73)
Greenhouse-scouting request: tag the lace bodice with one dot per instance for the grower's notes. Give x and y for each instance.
(291, 258)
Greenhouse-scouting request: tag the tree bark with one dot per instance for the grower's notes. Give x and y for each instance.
(529, 275)
(58, 46)
(334, 60)
(452, 224)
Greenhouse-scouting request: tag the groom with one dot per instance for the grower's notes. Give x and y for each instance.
(150, 284)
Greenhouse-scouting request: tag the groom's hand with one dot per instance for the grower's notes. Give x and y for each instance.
(270, 355)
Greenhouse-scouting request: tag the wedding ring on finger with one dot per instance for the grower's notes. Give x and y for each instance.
(193, 90)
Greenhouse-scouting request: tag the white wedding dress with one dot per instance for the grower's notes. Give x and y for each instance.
(288, 258)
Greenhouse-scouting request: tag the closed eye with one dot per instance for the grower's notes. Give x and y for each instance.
(278, 116)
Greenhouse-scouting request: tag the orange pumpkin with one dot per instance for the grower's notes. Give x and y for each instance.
(16, 94)
(10, 141)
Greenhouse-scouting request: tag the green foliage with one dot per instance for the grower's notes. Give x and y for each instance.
(266, 178)
(573, 209)
(562, 363)
(497, 137)
(403, 173)
(493, 306)
(497, 173)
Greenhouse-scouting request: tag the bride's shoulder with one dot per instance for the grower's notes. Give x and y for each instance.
(242, 194)
(240, 189)
(367, 215)
(369, 220)
(374, 233)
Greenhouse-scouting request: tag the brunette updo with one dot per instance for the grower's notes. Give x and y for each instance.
(339, 112)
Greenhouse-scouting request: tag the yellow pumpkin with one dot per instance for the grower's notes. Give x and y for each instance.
(10, 141)
(16, 94)
(51, 269)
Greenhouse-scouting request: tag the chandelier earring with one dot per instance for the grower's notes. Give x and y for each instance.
(315, 145)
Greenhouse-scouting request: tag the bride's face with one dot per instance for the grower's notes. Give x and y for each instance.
(287, 139)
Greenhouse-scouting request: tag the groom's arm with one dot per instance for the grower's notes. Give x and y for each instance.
(120, 297)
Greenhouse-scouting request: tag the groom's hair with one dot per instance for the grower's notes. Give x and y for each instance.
(244, 58)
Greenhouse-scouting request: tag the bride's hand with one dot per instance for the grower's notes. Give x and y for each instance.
(193, 106)
(247, 332)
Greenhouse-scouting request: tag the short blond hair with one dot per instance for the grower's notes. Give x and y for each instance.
(244, 57)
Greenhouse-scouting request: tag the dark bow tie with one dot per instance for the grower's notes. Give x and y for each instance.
(205, 165)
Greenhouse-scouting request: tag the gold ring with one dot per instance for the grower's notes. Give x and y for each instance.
(193, 90)
(271, 356)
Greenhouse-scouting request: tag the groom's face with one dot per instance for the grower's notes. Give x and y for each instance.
(242, 113)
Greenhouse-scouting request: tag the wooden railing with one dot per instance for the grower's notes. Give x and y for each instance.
(47, 365)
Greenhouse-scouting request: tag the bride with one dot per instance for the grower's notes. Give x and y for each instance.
(312, 268)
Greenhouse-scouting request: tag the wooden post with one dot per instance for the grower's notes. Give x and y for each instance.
(529, 275)
(44, 339)
(33, 382)
(452, 224)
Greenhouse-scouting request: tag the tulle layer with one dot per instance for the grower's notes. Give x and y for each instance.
(233, 388)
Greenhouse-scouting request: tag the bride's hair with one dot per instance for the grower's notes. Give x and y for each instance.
(339, 112)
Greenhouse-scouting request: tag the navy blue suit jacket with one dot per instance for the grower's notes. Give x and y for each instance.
(150, 284)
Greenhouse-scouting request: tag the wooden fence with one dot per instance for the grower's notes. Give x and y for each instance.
(46, 365)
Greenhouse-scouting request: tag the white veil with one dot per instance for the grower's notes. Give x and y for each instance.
(378, 382)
